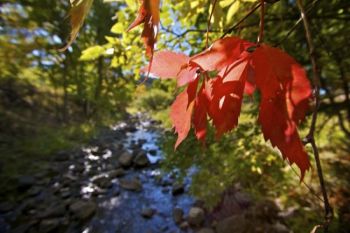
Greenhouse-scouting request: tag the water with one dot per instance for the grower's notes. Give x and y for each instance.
(122, 213)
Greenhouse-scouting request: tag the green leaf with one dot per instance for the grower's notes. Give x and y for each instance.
(92, 53)
(118, 28)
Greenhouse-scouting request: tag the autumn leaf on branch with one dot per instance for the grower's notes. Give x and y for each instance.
(77, 14)
(240, 66)
(148, 15)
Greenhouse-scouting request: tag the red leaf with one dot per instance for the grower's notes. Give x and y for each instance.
(222, 53)
(167, 64)
(180, 114)
(227, 97)
(285, 92)
(282, 132)
(200, 113)
(148, 14)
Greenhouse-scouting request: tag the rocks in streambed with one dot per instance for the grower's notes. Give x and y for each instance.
(25, 182)
(103, 182)
(245, 222)
(141, 160)
(53, 211)
(206, 230)
(119, 172)
(126, 159)
(147, 212)
(34, 191)
(178, 189)
(131, 184)
(236, 223)
(83, 210)
(196, 216)
(62, 156)
(49, 225)
(6, 207)
(178, 215)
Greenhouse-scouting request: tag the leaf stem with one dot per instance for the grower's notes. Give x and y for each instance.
(311, 135)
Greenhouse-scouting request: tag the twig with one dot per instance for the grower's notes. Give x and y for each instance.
(208, 26)
(306, 185)
(231, 29)
(262, 21)
(295, 25)
(311, 135)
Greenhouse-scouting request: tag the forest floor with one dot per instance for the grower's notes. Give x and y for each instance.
(115, 184)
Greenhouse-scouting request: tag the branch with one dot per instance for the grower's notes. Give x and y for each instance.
(208, 26)
(311, 136)
(234, 27)
(262, 21)
(296, 24)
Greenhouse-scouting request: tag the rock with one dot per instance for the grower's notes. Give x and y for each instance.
(83, 209)
(62, 156)
(34, 191)
(152, 152)
(178, 215)
(236, 224)
(148, 212)
(141, 160)
(184, 225)
(266, 210)
(206, 230)
(165, 190)
(53, 211)
(49, 225)
(279, 228)
(22, 228)
(79, 168)
(141, 141)
(65, 193)
(178, 189)
(164, 228)
(115, 192)
(126, 159)
(103, 182)
(6, 207)
(117, 146)
(25, 182)
(101, 151)
(132, 184)
(130, 128)
(167, 182)
(243, 199)
(117, 173)
(196, 216)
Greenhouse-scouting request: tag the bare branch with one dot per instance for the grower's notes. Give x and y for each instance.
(311, 136)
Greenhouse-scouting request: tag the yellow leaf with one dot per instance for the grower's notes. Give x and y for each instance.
(78, 13)
(232, 10)
(226, 3)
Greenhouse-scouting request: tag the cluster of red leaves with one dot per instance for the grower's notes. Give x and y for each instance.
(216, 81)
(148, 14)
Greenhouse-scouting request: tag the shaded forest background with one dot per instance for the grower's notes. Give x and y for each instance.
(52, 101)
